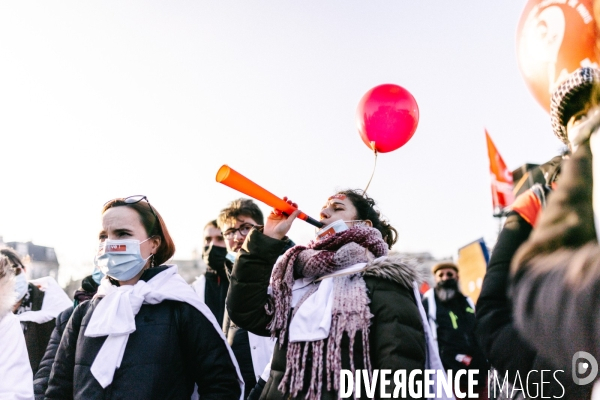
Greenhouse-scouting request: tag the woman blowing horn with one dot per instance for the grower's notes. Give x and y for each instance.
(340, 302)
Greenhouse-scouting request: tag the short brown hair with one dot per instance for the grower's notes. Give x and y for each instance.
(149, 221)
(212, 223)
(238, 208)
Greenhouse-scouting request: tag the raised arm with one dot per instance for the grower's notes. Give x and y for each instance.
(249, 282)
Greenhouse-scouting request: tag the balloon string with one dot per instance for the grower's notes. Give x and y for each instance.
(374, 166)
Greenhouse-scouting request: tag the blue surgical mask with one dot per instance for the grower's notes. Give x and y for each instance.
(21, 286)
(97, 275)
(120, 259)
(231, 256)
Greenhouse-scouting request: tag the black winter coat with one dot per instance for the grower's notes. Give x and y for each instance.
(40, 380)
(505, 348)
(397, 339)
(173, 347)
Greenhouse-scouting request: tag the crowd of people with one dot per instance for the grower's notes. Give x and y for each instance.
(270, 319)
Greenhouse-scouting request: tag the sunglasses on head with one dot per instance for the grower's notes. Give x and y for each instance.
(135, 199)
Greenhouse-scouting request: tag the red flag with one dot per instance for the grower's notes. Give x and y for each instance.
(502, 180)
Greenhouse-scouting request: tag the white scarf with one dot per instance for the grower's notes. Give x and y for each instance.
(312, 320)
(55, 301)
(115, 317)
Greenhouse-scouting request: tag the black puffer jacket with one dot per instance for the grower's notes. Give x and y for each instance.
(40, 380)
(173, 347)
(397, 339)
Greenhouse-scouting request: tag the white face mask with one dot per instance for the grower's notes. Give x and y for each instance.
(595, 148)
(120, 259)
(21, 285)
(588, 127)
(331, 229)
(584, 128)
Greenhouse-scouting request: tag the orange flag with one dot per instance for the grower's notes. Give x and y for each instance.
(502, 180)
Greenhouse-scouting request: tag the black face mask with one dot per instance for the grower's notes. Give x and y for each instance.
(447, 290)
(214, 257)
(448, 284)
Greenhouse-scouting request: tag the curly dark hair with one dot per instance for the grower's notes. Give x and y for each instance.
(365, 209)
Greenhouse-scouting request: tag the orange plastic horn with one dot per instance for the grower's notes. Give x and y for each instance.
(239, 182)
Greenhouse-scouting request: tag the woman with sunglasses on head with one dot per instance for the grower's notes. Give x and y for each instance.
(341, 302)
(145, 334)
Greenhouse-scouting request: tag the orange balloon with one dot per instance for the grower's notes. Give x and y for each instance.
(554, 38)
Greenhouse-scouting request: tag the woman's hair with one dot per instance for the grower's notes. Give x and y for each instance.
(10, 258)
(365, 209)
(153, 224)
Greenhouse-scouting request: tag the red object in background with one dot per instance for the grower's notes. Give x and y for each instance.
(502, 180)
(388, 116)
(424, 287)
(554, 40)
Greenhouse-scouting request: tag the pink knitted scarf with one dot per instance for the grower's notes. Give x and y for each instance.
(350, 310)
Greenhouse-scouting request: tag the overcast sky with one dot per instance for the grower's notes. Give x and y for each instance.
(114, 98)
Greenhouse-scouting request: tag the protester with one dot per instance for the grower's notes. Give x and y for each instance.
(39, 301)
(145, 334)
(556, 273)
(370, 293)
(89, 287)
(212, 286)
(16, 380)
(504, 347)
(452, 319)
(252, 352)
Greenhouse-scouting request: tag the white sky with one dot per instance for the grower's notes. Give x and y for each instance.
(109, 99)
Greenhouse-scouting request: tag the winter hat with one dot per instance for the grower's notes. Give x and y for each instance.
(443, 265)
(569, 97)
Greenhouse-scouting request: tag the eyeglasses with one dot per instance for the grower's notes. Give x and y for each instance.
(243, 230)
(136, 199)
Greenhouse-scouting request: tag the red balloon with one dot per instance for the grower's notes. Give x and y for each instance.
(387, 115)
(554, 38)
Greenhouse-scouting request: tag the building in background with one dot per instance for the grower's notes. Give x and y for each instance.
(39, 260)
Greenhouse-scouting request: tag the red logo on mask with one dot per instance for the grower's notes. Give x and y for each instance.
(113, 248)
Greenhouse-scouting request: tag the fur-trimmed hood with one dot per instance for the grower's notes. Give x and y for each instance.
(397, 269)
(7, 291)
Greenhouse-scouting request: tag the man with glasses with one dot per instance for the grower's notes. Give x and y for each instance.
(452, 318)
(252, 352)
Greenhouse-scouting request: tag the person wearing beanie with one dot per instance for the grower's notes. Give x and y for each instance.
(505, 348)
(452, 319)
(556, 272)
